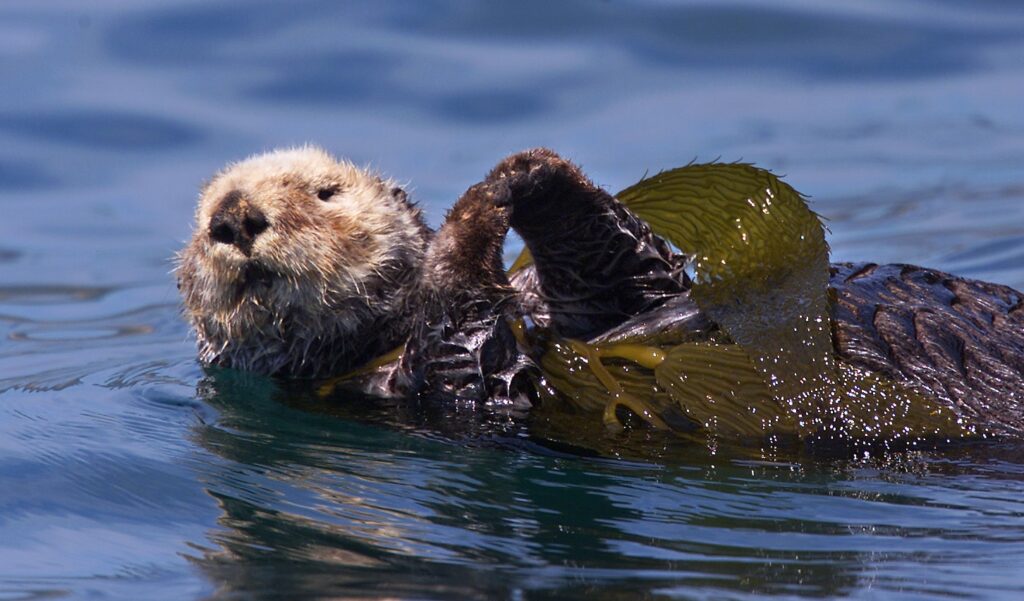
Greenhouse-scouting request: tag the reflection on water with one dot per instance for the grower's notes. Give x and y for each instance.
(355, 502)
(127, 472)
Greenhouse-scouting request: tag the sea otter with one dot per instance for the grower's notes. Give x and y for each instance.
(301, 265)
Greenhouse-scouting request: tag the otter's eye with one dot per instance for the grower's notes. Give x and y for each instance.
(326, 193)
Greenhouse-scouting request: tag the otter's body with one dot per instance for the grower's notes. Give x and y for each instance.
(320, 288)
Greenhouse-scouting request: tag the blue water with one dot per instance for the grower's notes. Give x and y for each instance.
(126, 472)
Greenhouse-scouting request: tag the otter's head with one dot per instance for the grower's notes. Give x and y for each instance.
(299, 264)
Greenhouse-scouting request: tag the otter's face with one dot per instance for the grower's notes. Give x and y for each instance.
(293, 244)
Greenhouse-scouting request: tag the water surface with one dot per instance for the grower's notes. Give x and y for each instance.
(126, 472)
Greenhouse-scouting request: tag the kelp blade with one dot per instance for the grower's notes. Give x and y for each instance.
(705, 391)
(760, 259)
(718, 386)
(761, 272)
(573, 377)
(761, 263)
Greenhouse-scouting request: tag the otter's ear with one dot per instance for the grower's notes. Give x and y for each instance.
(401, 196)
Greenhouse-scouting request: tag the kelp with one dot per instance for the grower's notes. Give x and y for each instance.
(382, 363)
(761, 268)
(760, 259)
(769, 373)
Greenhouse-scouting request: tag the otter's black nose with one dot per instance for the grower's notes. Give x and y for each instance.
(237, 222)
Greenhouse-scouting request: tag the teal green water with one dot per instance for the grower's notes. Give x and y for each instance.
(126, 472)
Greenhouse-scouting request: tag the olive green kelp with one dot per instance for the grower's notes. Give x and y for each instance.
(761, 270)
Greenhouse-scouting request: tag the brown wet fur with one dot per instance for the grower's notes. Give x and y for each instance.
(467, 252)
(465, 347)
(597, 264)
(958, 340)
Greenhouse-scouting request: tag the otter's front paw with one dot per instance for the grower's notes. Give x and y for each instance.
(528, 176)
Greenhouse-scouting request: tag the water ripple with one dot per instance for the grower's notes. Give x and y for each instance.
(102, 130)
(34, 295)
(127, 471)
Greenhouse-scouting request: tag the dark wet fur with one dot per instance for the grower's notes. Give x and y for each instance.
(597, 266)
(597, 263)
(961, 341)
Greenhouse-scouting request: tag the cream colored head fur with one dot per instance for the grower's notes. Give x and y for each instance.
(322, 282)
